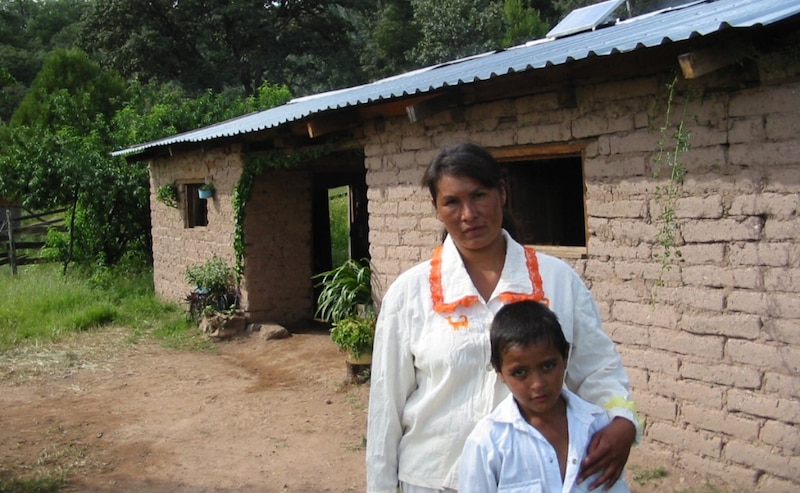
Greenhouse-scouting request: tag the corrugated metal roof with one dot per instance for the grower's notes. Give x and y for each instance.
(649, 30)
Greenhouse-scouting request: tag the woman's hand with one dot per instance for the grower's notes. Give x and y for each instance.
(608, 452)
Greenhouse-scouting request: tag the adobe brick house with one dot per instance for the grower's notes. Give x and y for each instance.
(713, 354)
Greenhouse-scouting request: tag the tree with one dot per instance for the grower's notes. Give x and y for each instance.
(387, 44)
(67, 100)
(523, 23)
(75, 113)
(456, 28)
(216, 44)
(55, 154)
(30, 29)
(160, 110)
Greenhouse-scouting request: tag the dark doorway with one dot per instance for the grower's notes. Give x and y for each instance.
(339, 180)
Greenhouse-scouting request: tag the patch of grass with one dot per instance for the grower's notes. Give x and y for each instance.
(45, 484)
(358, 447)
(644, 476)
(42, 308)
(355, 401)
(40, 305)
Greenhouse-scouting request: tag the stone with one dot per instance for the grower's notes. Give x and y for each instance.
(269, 331)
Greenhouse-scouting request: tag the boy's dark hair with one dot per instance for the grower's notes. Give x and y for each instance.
(524, 323)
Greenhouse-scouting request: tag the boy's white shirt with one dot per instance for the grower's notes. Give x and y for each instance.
(505, 453)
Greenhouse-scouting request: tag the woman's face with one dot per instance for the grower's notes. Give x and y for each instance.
(471, 213)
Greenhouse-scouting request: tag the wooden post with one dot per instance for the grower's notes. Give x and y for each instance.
(12, 259)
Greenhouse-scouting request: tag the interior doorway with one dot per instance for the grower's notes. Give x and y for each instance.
(340, 217)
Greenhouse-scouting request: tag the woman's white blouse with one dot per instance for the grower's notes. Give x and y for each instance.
(431, 379)
(506, 454)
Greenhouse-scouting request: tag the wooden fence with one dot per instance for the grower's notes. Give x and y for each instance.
(23, 236)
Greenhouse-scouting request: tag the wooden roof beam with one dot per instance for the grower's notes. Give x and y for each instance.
(705, 61)
(435, 104)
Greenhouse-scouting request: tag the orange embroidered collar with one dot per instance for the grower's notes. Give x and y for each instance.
(437, 292)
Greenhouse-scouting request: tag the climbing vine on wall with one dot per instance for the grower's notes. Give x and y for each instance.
(254, 166)
(673, 142)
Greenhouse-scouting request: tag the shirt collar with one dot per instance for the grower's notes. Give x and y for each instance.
(508, 411)
(519, 280)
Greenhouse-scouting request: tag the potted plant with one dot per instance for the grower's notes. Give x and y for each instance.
(346, 291)
(168, 194)
(206, 191)
(346, 302)
(355, 336)
(214, 287)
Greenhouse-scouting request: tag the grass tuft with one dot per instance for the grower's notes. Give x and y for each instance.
(644, 476)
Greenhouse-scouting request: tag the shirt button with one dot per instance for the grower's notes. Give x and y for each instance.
(489, 367)
(574, 460)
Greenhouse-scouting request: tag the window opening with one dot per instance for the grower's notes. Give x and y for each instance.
(196, 208)
(546, 197)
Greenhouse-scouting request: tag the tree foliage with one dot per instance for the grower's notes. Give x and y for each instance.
(29, 30)
(75, 113)
(408, 34)
(213, 45)
(389, 35)
(523, 23)
(456, 28)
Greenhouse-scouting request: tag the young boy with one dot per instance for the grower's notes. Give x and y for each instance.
(535, 439)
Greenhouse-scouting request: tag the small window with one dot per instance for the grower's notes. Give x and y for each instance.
(196, 208)
(546, 196)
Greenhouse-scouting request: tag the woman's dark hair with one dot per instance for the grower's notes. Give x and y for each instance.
(473, 161)
(524, 323)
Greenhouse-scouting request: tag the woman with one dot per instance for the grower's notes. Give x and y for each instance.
(431, 379)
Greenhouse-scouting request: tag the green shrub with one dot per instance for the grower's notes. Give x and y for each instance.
(214, 276)
(215, 287)
(168, 194)
(344, 290)
(354, 335)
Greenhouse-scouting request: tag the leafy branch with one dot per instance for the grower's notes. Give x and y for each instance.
(669, 159)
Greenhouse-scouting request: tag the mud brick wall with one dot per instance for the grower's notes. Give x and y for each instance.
(277, 284)
(175, 246)
(278, 253)
(714, 354)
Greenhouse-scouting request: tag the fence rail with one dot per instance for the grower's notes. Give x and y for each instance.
(23, 236)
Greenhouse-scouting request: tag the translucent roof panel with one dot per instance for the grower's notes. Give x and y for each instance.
(584, 18)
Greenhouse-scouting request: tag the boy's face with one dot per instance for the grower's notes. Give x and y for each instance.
(535, 375)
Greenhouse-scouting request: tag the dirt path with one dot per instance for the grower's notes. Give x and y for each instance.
(266, 416)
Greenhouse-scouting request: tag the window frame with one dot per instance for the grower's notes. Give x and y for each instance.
(194, 206)
(540, 152)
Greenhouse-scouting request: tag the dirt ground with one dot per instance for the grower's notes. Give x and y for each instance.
(117, 415)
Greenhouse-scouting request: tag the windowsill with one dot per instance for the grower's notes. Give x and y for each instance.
(562, 251)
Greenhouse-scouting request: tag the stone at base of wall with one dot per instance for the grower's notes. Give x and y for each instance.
(269, 331)
(221, 326)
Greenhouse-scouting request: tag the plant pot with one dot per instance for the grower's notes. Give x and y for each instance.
(205, 194)
(363, 359)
